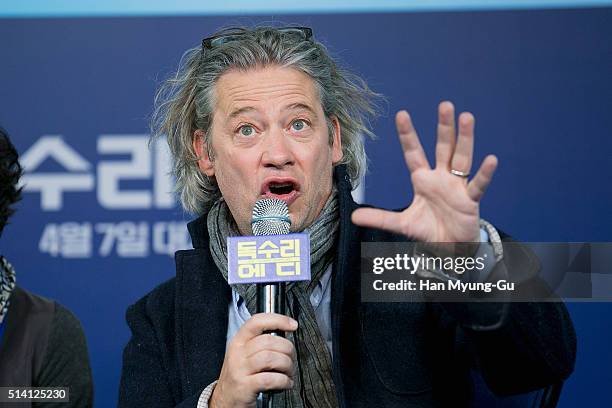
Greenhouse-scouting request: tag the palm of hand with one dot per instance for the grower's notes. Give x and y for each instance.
(441, 210)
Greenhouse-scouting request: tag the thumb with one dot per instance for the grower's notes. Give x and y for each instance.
(381, 219)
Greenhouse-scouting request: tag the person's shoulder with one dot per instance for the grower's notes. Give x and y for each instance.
(61, 321)
(32, 303)
(155, 305)
(66, 321)
(37, 305)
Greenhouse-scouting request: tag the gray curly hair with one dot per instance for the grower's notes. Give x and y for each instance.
(186, 101)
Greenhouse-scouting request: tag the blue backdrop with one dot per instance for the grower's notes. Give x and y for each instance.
(96, 227)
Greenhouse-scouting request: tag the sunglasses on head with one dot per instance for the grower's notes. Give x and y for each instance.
(210, 42)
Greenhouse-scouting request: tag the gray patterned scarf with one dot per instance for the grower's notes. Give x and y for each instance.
(314, 385)
(7, 284)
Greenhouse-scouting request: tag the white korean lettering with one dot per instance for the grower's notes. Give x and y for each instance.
(169, 237)
(111, 173)
(130, 239)
(51, 186)
(67, 240)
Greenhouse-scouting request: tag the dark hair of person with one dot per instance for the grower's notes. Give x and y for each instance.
(10, 171)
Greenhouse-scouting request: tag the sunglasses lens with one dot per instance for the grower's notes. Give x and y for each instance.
(217, 41)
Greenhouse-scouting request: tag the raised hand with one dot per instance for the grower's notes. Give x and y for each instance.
(446, 206)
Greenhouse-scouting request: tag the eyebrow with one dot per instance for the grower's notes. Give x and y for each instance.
(240, 111)
(296, 106)
(293, 106)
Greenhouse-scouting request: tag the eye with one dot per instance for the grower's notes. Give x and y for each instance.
(299, 125)
(246, 130)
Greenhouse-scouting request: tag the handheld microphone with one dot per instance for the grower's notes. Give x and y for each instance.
(271, 217)
(270, 258)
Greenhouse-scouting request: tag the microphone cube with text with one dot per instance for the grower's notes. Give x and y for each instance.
(272, 254)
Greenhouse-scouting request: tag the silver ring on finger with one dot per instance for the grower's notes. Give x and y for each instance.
(460, 173)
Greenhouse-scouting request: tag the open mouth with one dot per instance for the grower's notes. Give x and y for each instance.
(281, 189)
(284, 189)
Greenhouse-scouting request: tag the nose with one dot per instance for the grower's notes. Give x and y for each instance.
(277, 150)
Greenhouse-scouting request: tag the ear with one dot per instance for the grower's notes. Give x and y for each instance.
(337, 153)
(201, 150)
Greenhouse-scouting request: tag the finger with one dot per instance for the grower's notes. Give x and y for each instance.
(263, 322)
(480, 182)
(414, 155)
(380, 219)
(446, 135)
(271, 381)
(267, 360)
(464, 151)
(271, 343)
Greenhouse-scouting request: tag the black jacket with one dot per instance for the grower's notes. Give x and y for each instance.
(385, 354)
(44, 346)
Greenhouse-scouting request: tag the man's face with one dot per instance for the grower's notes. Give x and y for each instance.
(270, 138)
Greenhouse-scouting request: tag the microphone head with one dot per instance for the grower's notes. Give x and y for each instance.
(270, 217)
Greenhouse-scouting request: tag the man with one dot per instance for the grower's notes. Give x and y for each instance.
(267, 113)
(41, 342)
